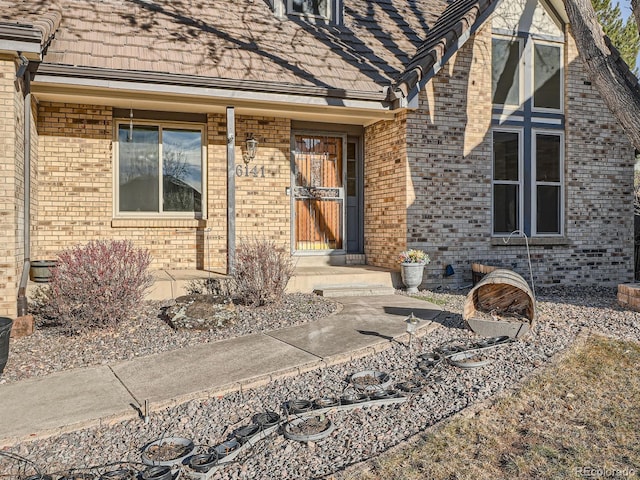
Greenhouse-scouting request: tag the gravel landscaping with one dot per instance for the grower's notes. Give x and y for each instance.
(360, 434)
(48, 350)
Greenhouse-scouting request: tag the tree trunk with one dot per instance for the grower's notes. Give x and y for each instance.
(635, 7)
(604, 67)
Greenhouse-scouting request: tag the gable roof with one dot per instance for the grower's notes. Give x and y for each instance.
(451, 30)
(238, 41)
(383, 50)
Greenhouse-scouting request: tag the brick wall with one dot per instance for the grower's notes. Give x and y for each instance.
(449, 157)
(262, 205)
(75, 195)
(11, 185)
(387, 191)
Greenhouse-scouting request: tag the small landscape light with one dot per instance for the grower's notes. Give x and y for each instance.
(412, 326)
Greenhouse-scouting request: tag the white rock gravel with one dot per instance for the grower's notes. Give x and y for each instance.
(363, 433)
(48, 350)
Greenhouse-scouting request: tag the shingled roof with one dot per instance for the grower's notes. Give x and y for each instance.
(243, 44)
(450, 31)
(30, 33)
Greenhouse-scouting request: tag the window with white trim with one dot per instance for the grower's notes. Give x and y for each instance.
(549, 191)
(506, 84)
(507, 181)
(160, 170)
(312, 8)
(527, 73)
(547, 76)
(528, 199)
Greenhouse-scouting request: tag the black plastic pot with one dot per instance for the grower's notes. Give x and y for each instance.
(5, 331)
(225, 448)
(120, 474)
(266, 419)
(243, 434)
(158, 472)
(203, 462)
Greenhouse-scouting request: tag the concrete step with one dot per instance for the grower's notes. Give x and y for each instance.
(308, 279)
(353, 290)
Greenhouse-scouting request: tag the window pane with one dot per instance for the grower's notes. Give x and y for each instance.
(505, 208)
(548, 209)
(138, 168)
(548, 158)
(310, 7)
(505, 72)
(182, 170)
(546, 77)
(505, 156)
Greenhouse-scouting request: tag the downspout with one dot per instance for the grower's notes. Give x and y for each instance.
(22, 289)
(231, 190)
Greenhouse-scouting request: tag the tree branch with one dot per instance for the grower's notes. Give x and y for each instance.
(635, 8)
(605, 69)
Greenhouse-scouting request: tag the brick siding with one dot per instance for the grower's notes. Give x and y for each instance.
(11, 185)
(76, 189)
(387, 190)
(448, 156)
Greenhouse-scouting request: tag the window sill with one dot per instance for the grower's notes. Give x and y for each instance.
(535, 241)
(158, 223)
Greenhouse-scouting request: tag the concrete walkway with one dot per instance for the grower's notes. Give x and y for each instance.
(66, 401)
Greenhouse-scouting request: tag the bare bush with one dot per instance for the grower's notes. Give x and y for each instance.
(97, 284)
(261, 273)
(210, 286)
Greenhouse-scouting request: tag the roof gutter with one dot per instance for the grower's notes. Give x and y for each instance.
(74, 75)
(23, 72)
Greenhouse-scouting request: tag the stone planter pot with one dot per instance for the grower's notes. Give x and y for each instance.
(412, 275)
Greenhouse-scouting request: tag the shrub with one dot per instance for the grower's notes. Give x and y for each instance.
(261, 272)
(210, 286)
(98, 284)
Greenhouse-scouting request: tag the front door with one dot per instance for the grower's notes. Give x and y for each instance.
(318, 192)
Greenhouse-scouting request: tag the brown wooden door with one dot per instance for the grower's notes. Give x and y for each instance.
(318, 193)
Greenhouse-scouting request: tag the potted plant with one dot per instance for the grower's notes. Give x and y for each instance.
(412, 264)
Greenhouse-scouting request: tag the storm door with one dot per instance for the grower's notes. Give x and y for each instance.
(318, 193)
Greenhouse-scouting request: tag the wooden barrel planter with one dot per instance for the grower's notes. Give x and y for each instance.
(478, 271)
(41, 270)
(501, 304)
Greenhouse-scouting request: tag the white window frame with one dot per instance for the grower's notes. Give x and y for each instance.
(521, 70)
(519, 182)
(534, 181)
(329, 15)
(532, 72)
(116, 171)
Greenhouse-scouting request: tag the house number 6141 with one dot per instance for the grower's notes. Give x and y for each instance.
(246, 171)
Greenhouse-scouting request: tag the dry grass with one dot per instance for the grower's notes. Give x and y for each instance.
(581, 414)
